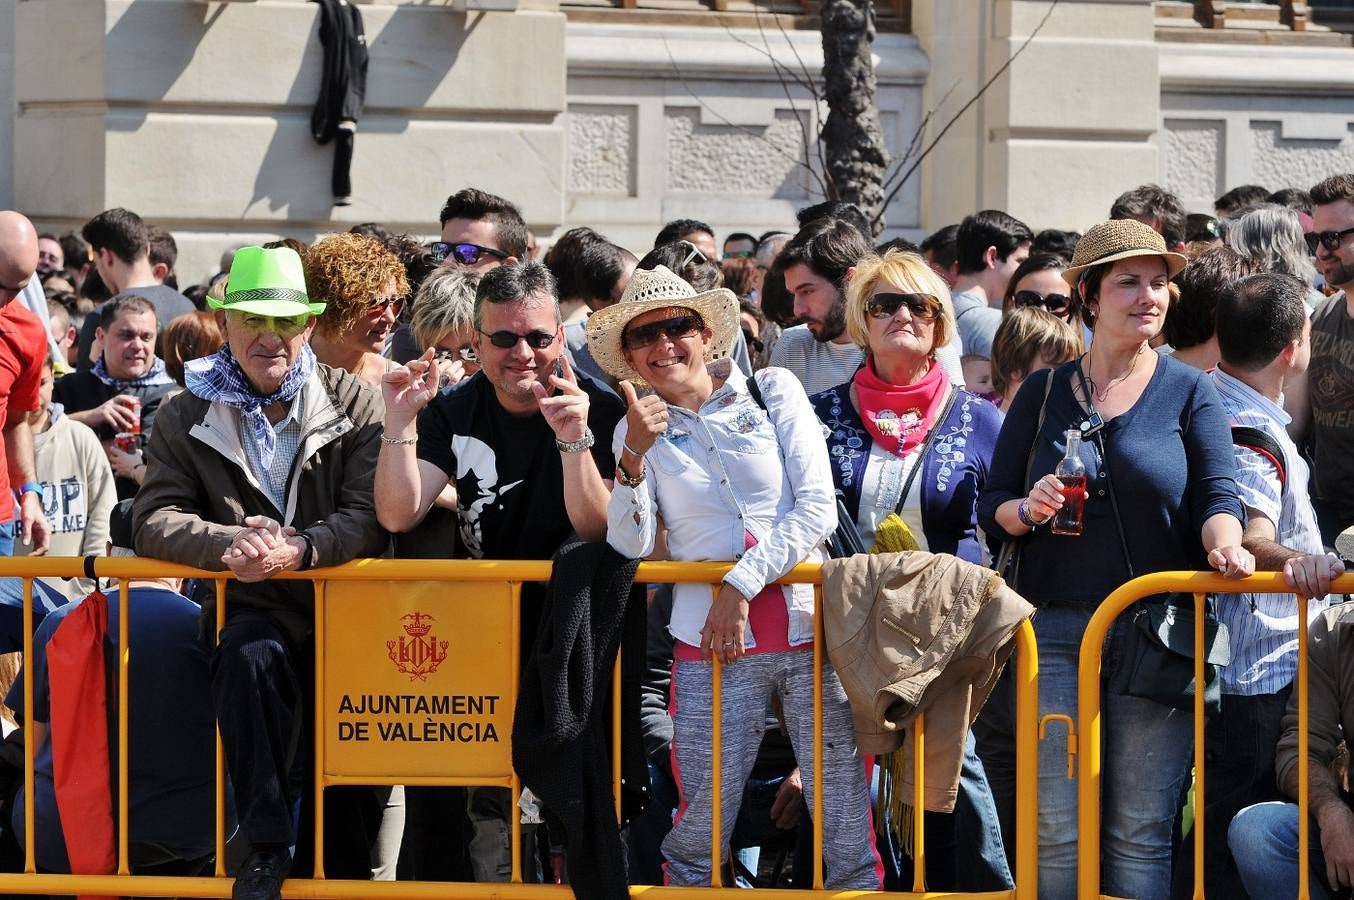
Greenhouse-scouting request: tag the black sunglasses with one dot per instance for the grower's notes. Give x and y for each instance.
(886, 305)
(1054, 303)
(1328, 239)
(464, 254)
(754, 344)
(675, 328)
(506, 340)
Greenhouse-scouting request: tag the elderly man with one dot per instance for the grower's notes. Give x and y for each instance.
(263, 466)
(23, 344)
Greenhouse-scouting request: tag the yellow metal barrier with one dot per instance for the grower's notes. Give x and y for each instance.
(1088, 712)
(338, 593)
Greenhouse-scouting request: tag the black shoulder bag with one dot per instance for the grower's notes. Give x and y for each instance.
(1007, 563)
(1158, 656)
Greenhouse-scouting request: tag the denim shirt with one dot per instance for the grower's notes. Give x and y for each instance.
(726, 469)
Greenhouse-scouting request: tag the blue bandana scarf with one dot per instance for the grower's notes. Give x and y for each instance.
(219, 379)
(155, 375)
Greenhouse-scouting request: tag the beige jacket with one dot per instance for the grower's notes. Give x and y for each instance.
(918, 632)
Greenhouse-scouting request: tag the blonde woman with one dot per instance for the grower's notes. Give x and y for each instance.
(909, 454)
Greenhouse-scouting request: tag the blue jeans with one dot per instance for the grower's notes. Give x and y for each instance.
(1264, 842)
(7, 532)
(1145, 760)
(964, 849)
(1239, 746)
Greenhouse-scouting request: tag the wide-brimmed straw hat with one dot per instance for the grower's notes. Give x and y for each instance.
(659, 288)
(1120, 239)
(267, 282)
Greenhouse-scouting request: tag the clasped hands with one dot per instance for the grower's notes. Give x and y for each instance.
(262, 549)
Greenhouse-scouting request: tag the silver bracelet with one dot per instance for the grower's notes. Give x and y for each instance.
(386, 439)
(581, 444)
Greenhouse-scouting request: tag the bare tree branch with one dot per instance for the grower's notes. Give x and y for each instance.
(888, 198)
(806, 82)
(725, 120)
(917, 135)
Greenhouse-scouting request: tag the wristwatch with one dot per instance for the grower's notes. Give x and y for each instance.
(627, 480)
(581, 444)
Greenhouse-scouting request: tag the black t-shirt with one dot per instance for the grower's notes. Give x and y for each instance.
(507, 471)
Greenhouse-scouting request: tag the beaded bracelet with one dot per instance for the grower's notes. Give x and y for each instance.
(1023, 514)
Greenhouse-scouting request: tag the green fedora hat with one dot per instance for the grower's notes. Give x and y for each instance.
(267, 283)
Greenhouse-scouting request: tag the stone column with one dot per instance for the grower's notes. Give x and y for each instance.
(1069, 126)
(197, 115)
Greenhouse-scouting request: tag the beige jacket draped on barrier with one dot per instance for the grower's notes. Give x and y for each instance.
(918, 632)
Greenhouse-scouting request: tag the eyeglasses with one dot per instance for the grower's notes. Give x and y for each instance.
(676, 328)
(1054, 303)
(463, 254)
(507, 340)
(886, 305)
(378, 307)
(1328, 239)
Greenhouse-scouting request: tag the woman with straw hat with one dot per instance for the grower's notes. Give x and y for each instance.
(737, 470)
(1160, 495)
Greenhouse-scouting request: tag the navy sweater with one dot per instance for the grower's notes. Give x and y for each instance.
(1170, 460)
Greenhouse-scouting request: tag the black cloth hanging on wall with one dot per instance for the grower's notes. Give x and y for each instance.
(343, 88)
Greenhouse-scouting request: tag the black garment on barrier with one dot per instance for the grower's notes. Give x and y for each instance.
(560, 735)
(343, 88)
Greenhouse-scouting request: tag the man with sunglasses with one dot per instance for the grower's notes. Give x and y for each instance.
(1330, 377)
(480, 231)
(524, 442)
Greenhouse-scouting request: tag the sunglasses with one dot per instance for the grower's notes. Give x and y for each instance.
(463, 254)
(693, 255)
(378, 307)
(886, 305)
(507, 340)
(1054, 303)
(464, 354)
(287, 327)
(1328, 239)
(739, 254)
(754, 344)
(676, 328)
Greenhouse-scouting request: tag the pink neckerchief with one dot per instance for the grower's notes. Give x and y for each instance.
(899, 416)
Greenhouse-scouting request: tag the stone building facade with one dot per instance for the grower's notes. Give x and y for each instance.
(622, 114)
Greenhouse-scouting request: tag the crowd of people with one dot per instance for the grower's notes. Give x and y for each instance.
(766, 401)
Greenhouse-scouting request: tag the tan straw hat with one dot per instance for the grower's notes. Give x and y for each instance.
(658, 288)
(1120, 239)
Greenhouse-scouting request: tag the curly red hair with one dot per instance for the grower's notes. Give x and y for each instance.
(348, 271)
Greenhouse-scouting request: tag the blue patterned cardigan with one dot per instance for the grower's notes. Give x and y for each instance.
(953, 473)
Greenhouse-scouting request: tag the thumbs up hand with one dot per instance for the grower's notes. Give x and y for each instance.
(646, 418)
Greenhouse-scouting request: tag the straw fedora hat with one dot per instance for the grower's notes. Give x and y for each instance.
(659, 288)
(1120, 239)
(267, 282)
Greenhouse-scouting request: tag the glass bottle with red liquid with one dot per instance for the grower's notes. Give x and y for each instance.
(1072, 474)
